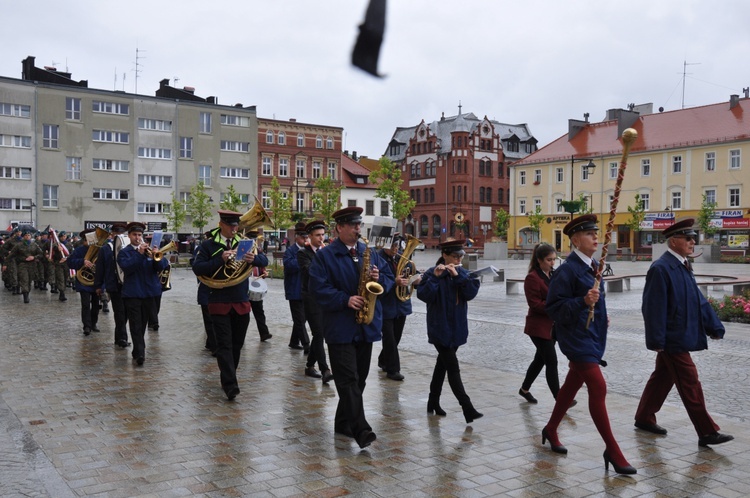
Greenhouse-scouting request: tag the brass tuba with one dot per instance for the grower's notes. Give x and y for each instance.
(233, 272)
(368, 289)
(406, 268)
(86, 275)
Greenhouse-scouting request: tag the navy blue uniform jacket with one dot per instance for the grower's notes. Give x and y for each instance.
(392, 306)
(292, 276)
(447, 299)
(75, 262)
(106, 273)
(334, 277)
(141, 273)
(565, 305)
(677, 315)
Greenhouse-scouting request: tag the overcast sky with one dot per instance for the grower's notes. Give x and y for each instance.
(536, 62)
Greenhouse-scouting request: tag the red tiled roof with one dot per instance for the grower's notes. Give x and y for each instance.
(715, 123)
(352, 170)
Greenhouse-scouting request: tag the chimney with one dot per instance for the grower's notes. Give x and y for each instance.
(354, 155)
(164, 83)
(292, 120)
(576, 125)
(212, 100)
(746, 91)
(189, 89)
(346, 153)
(734, 101)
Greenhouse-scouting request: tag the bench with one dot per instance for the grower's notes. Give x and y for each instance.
(739, 286)
(512, 285)
(611, 284)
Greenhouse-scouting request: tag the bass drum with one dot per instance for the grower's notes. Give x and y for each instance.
(258, 289)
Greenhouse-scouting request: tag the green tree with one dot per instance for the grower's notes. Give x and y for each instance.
(637, 214)
(199, 206)
(327, 198)
(705, 215)
(281, 206)
(536, 219)
(388, 181)
(176, 214)
(502, 222)
(232, 200)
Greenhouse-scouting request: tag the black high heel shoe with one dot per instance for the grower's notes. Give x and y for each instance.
(628, 469)
(557, 448)
(471, 414)
(433, 406)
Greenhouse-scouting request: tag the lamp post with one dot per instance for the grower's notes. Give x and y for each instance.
(31, 213)
(310, 187)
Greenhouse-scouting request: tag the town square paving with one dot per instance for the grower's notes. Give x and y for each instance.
(78, 418)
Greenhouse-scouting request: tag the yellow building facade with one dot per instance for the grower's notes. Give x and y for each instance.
(679, 157)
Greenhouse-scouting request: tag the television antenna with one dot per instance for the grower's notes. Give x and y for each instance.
(685, 64)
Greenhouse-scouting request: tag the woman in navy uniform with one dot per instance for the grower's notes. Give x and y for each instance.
(447, 289)
(571, 293)
(229, 307)
(334, 277)
(140, 285)
(89, 297)
(678, 320)
(106, 279)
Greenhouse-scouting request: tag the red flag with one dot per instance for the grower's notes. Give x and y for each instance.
(63, 249)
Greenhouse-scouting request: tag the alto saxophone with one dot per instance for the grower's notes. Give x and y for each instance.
(368, 289)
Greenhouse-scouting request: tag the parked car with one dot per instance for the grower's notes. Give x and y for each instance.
(420, 246)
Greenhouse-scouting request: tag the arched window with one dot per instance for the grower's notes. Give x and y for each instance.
(423, 225)
(318, 142)
(488, 195)
(481, 194)
(282, 138)
(269, 137)
(436, 225)
(329, 143)
(300, 140)
(426, 195)
(500, 196)
(432, 195)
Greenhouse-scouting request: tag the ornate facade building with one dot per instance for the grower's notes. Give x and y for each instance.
(457, 169)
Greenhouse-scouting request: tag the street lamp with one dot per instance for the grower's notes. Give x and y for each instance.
(590, 167)
(31, 213)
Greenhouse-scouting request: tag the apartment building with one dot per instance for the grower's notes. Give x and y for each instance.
(679, 157)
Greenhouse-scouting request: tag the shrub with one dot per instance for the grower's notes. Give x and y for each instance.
(733, 308)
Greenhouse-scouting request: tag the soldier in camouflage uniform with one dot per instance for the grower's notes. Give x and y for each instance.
(59, 263)
(10, 271)
(43, 266)
(26, 254)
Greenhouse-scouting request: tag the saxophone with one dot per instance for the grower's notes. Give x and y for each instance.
(368, 289)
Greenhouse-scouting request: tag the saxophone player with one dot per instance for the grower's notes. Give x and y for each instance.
(335, 275)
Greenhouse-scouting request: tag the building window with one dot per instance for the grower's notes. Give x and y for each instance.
(537, 176)
(282, 138)
(155, 180)
(585, 173)
(332, 170)
(734, 197)
(316, 169)
(111, 165)
(154, 124)
(710, 161)
(15, 141)
(152, 208)
(500, 195)
(15, 204)
(329, 143)
(676, 200)
(318, 142)
(233, 120)
(284, 167)
(414, 170)
(110, 194)
(521, 206)
(676, 165)
(559, 178)
(537, 204)
(558, 205)
(229, 172)
(265, 199)
(370, 208)
(384, 208)
(73, 168)
(204, 174)
(300, 140)
(645, 167)
(72, 109)
(117, 137)
(431, 168)
(522, 178)
(110, 108)
(205, 122)
(49, 196)
(243, 198)
(710, 196)
(154, 153)
(613, 171)
(186, 147)
(266, 166)
(646, 201)
(481, 195)
(15, 110)
(15, 173)
(489, 194)
(351, 203)
(233, 146)
(734, 159)
(436, 225)
(50, 135)
(300, 172)
(269, 137)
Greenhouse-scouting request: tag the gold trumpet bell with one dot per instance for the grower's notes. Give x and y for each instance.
(255, 217)
(159, 253)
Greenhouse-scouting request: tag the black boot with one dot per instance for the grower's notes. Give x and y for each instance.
(52, 289)
(16, 290)
(433, 405)
(26, 297)
(470, 413)
(62, 296)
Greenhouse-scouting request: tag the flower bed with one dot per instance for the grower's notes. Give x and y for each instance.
(733, 308)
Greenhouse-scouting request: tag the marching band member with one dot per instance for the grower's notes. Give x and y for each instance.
(89, 297)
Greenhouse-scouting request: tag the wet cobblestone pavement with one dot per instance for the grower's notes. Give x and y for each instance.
(78, 418)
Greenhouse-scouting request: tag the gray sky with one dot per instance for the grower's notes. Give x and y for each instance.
(539, 62)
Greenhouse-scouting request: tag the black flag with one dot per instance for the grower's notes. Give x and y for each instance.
(367, 48)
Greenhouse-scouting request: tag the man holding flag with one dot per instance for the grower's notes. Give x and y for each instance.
(58, 257)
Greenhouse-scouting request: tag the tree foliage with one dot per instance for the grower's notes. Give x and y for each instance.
(502, 222)
(536, 219)
(199, 206)
(327, 198)
(387, 180)
(637, 214)
(176, 214)
(281, 206)
(232, 200)
(705, 215)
